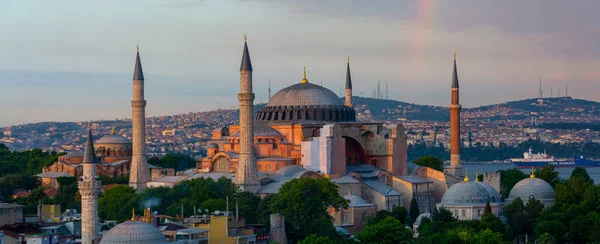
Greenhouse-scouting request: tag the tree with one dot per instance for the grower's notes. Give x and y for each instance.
(443, 215)
(517, 218)
(488, 208)
(414, 209)
(488, 237)
(547, 173)
(400, 214)
(117, 203)
(510, 177)
(493, 223)
(430, 161)
(581, 172)
(390, 230)
(315, 239)
(378, 217)
(532, 210)
(555, 228)
(591, 198)
(304, 202)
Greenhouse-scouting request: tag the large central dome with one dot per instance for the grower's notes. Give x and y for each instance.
(304, 94)
(305, 102)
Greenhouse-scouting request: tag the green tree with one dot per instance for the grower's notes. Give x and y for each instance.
(555, 228)
(591, 198)
(493, 223)
(442, 215)
(532, 210)
(117, 203)
(390, 230)
(509, 179)
(581, 172)
(488, 237)
(400, 214)
(517, 218)
(547, 173)
(378, 217)
(488, 208)
(546, 239)
(430, 161)
(315, 239)
(304, 203)
(414, 209)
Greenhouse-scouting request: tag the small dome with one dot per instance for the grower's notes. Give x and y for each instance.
(468, 193)
(494, 195)
(113, 139)
(420, 218)
(134, 232)
(304, 94)
(213, 145)
(532, 187)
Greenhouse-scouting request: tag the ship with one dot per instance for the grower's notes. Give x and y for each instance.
(538, 160)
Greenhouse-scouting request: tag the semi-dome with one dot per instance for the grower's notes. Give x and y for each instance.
(532, 188)
(304, 94)
(465, 194)
(134, 232)
(113, 139)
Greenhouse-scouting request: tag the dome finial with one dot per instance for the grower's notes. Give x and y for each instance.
(112, 132)
(132, 214)
(304, 80)
(476, 175)
(466, 175)
(454, 56)
(245, 38)
(532, 175)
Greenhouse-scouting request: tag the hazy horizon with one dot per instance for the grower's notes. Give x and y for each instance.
(73, 61)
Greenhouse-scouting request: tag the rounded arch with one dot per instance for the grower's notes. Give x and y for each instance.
(221, 162)
(355, 153)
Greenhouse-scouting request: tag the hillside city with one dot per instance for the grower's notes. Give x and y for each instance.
(508, 124)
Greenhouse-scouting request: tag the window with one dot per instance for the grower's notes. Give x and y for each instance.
(464, 213)
(478, 212)
(277, 166)
(268, 167)
(364, 216)
(347, 217)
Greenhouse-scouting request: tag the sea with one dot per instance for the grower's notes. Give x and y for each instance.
(564, 173)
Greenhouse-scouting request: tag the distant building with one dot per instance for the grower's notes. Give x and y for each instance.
(10, 214)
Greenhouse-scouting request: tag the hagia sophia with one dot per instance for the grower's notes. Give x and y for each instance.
(305, 130)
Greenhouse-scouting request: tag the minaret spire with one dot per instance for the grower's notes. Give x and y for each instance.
(455, 167)
(246, 174)
(89, 188)
(304, 80)
(139, 174)
(348, 85)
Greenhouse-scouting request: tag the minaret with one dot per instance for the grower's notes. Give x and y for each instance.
(139, 173)
(245, 174)
(455, 167)
(348, 86)
(89, 188)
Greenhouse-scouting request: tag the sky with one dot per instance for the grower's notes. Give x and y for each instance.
(72, 60)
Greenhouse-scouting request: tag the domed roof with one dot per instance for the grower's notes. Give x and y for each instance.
(532, 187)
(213, 145)
(134, 232)
(113, 139)
(466, 193)
(304, 94)
(420, 218)
(494, 195)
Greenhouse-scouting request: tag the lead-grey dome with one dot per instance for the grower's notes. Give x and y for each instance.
(113, 139)
(532, 188)
(305, 102)
(304, 94)
(465, 194)
(134, 232)
(494, 195)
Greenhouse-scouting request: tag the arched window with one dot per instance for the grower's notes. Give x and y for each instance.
(363, 218)
(268, 167)
(277, 166)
